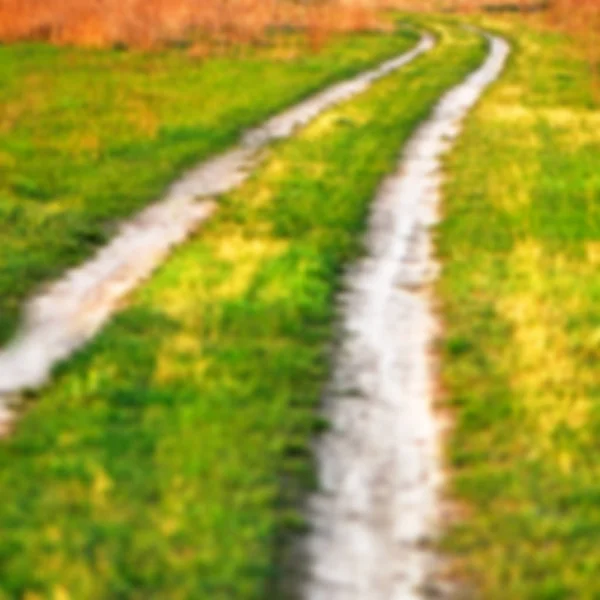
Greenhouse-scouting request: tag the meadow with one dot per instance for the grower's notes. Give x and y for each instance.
(520, 245)
(172, 456)
(91, 136)
(168, 458)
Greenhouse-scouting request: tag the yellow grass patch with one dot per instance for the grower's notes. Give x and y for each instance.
(551, 382)
(577, 128)
(238, 259)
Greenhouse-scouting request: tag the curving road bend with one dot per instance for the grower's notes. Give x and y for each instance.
(380, 466)
(70, 312)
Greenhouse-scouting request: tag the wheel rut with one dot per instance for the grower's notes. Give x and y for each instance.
(380, 468)
(68, 313)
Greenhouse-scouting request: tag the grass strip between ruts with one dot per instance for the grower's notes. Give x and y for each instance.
(166, 458)
(521, 290)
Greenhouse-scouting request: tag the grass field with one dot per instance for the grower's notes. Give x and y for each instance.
(88, 137)
(166, 459)
(521, 289)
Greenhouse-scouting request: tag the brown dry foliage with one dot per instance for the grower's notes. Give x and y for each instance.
(578, 18)
(581, 19)
(145, 23)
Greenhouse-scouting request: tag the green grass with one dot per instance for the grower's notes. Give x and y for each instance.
(521, 290)
(89, 137)
(165, 461)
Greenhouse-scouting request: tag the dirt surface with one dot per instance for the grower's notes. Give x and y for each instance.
(71, 311)
(380, 468)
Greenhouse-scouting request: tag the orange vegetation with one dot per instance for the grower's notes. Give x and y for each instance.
(145, 23)
(580, 18)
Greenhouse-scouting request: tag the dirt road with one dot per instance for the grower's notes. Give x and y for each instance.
(71, 311)
(380, 468)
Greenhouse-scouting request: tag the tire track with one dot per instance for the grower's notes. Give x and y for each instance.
(380, 468)
(70, 312)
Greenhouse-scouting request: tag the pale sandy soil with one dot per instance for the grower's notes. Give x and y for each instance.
(70, 312)
(380, 467)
